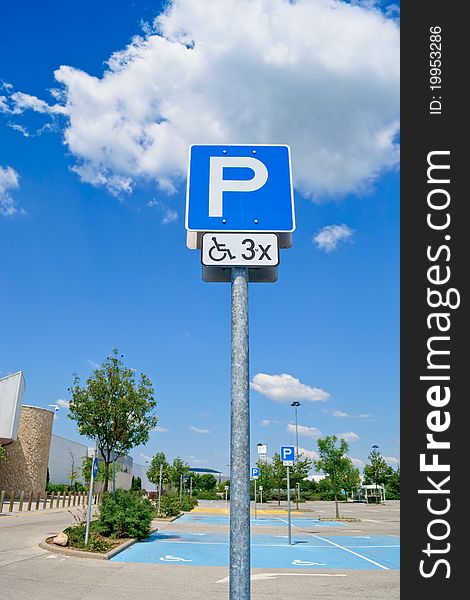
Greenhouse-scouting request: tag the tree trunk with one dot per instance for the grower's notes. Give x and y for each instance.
(336, 500)
(106, 475)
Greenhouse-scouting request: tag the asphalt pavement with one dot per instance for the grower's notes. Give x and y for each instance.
(28, 572)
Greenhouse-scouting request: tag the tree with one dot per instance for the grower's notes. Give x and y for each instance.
(205, 482)
(265, 479)
(393, 485)
(153, 472)
(73, 475)
(299, 472)
(113, 409)
(351, 478)
(279, 475)
(377, 471)
(86, 470)
(177, 469)
(333, 462)
(136, 483)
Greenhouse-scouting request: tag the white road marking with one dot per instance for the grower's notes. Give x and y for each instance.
(307, 563)
(371, 521)
(343, 548)
(171, 558)
(261, 576)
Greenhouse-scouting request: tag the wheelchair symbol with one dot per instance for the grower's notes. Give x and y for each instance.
(219, 252)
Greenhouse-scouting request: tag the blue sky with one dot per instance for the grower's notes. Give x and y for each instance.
(92, 239)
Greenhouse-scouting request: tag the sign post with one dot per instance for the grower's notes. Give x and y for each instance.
(261, 494)
(94, 472)
(287, 454)
(254, 476)
(160, 488)
(239, 212)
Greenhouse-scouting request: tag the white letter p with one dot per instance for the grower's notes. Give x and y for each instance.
(218, 185)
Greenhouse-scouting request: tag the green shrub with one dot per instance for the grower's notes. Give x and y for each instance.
(96, 542)
(188, 503)
(207, 495)
(65, 488)
(169, 506)
(128, 515)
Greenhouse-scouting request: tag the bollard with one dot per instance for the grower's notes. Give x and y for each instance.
(20, 507)
(58, 500)
(44, 505)
(69, 498)
(12, 500)
(63, 500)
(38, 498)
(52, 500)
(73, 503)
(2, 498)
(30, 500)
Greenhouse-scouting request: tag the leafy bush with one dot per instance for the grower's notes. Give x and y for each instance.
(128, 515)
(169, 506)
(96, 542)
(188, 503)
(207, 495)
(64, 488)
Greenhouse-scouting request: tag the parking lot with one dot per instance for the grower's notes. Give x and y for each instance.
(188, 558)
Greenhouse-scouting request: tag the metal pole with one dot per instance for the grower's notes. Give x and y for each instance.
(114, 479)
(90, 495)
(240, 441)
(289, 522)
(296, 434)
(298, 494)
(160, 487)
(256, 516)
(190, 487)
(261, 493)
(181, 487)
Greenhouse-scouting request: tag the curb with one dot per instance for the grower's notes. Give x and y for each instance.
(45, 545)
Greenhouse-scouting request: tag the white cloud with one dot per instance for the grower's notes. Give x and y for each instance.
(265, 422)
(349, 436)
(304, 430)
(391, 460)
(286, 388)
(267, 71)
(341, 414)
(63, 403)
(357, 462)
(311, 454)
(22, 102)
(329, 237)
(168, 214)
(196, 462)
(198, 429)
(160, 429)
(93, 364)
(9, 180)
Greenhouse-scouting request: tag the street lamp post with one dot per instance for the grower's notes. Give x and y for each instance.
(296, 405)
(375, 447)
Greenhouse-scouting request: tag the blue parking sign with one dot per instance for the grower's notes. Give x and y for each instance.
(287, 453)
(255, 472)
(240, 188)
(95, 467)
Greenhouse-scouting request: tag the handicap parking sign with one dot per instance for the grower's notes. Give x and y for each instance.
(240, 188)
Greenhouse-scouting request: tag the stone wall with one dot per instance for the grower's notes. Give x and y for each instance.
(25, 468)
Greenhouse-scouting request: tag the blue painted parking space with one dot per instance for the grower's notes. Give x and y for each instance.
(268, 551)
(260, 521)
